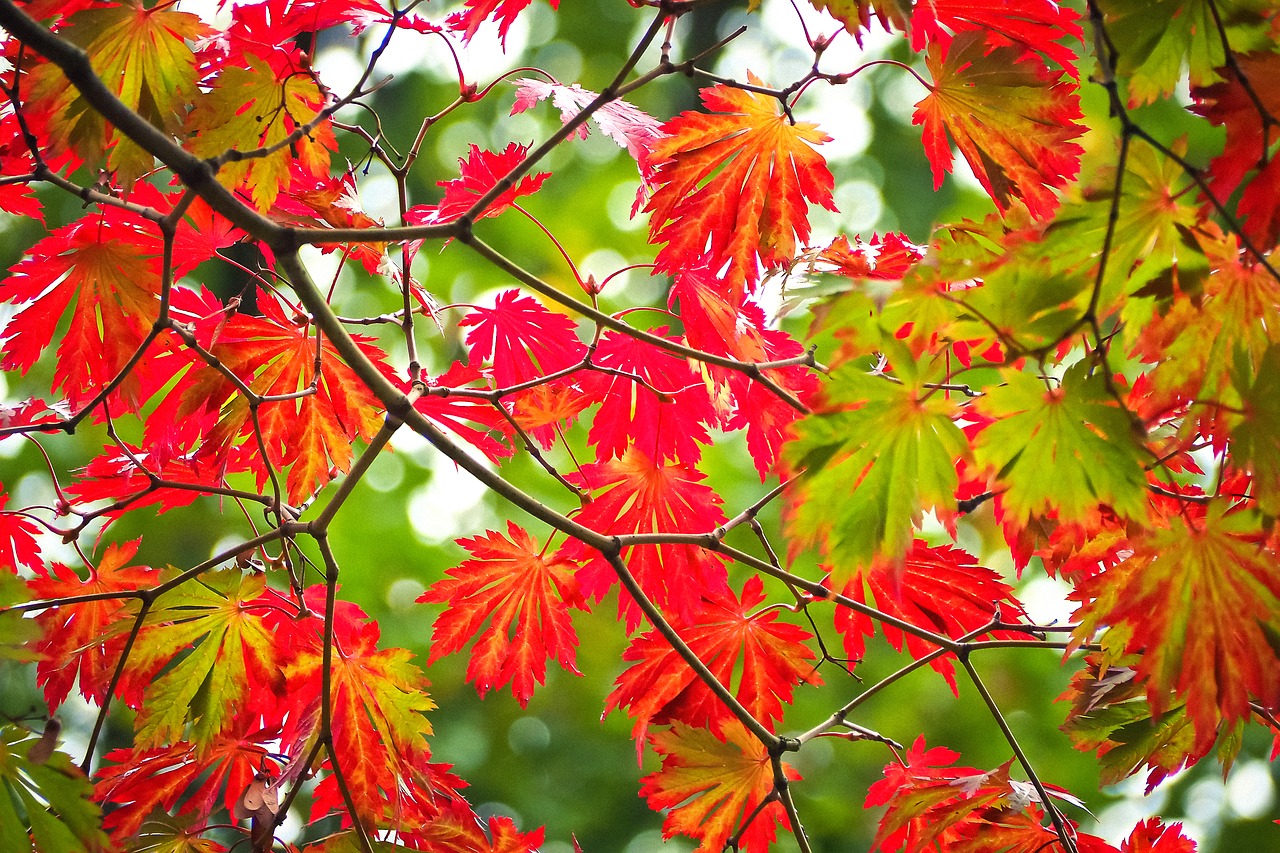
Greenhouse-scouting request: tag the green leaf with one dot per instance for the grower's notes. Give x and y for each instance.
(880, 454)
(1255, 435)
(44, 806)
(232, 652)
(1154, 40)
(18, 636)
(1066, 448)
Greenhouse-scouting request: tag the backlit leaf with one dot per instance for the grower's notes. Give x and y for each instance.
(1011, 118)
(738, 180)
(711, 783)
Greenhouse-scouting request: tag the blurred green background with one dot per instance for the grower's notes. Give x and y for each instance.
(557, 762)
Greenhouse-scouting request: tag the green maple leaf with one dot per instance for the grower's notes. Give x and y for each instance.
(1066, 448)
(45, 806)
(1255, 435)
(878, 455)
(232, 655)
(252, 107)
(1155, 40)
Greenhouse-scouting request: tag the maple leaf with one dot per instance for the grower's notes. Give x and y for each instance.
(650, 397)
(481, 172)
(233, 665)
(325, 201)
(1110, 716)
(939, 588)
(856, 14)
(1010, 116)
(525, 597)
(1154, 836)
(735, 326)
(1229, 104)
(1156, 40)
(475, 421)
(143, 56)
(886, 258)
(274, 355)
(84, 640)
(1076, 431)
(521, 339)
(377, 706)
(106, 268)
(632, 128)
(18, 546)
(258, 105)
(1198, 600)
(770, 658)
(932, 803)
(873, 456)
(504, 12)
(643, 496)
(711, 781)
(734, 186)
(1036, 25)
(139, 781)
(54, 796)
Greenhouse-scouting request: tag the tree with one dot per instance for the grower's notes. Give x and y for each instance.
(1088, 372)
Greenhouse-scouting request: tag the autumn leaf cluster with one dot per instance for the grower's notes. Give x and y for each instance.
(1090, 370)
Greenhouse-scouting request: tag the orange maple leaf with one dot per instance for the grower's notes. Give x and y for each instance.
(1200, 601)
(734, 185)
(1010, 116)
(526, 598)
(85, 639)
(712, 782)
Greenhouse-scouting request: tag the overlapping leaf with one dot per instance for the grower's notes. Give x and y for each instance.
(1074, 431)
(44, 805)
(83, 641)
(233, 664)
(873, 459)
(940, 589)
(712, 783)
(643, 496)
(753, 654)
(481, 172)
(1199, 600)
(144, 57)
(105, 268)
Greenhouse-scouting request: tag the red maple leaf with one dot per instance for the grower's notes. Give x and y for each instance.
(84, 640)
(524, 596)
(885, 258)
(377, 703)
(106, 269)
(768, 657)
(650, 398)
(476, 421)
(1248, 147)
(504, 12)
(18, 545)
(1036, 25)
(520, 339)
(481, 172)
(713, 782)
(137, 782)
(642, 496)
(939, 588)
(274, 355)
